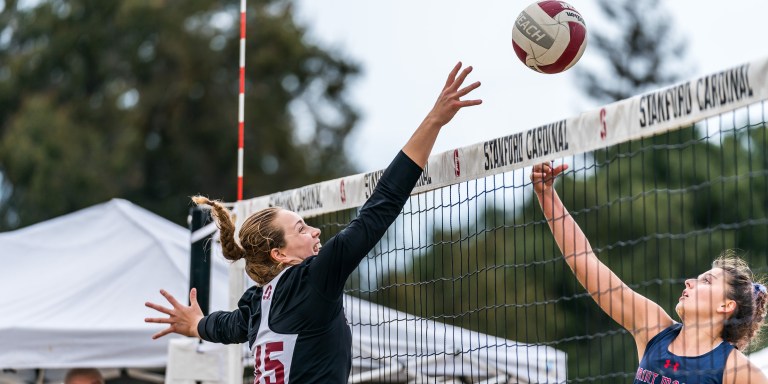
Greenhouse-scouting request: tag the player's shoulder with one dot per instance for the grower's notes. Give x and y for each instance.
(294, 279)
(251, 295)
(252, 291)
(739, 369)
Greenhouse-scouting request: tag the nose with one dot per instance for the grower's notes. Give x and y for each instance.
(315, 232)
(689, 283)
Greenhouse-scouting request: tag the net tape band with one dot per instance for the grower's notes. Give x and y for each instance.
(647, 114)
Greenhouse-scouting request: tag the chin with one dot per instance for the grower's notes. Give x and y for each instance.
(679, 310)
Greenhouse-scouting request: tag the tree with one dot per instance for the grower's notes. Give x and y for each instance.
(138, 99)
(639, 50)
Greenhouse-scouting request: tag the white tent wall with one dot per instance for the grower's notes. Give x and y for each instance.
(72, 289)
(393, 346)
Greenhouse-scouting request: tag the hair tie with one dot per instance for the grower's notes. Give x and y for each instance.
(759, 288)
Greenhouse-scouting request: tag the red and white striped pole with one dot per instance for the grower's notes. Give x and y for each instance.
(241, 105)
(237, 273)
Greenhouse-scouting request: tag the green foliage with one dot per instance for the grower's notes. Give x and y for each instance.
(638, 49)
(138, 99)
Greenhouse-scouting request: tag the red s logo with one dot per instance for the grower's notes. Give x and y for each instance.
(603, 126)
(456, 163)
(343, 192)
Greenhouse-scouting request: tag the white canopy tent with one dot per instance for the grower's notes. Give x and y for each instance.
(73, 291)
(73, 288)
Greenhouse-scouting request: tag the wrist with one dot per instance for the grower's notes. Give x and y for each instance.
(432, 123)
(195, 328)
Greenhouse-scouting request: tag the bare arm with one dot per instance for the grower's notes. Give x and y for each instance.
(640, 316)
(419, 146)
(739, 370)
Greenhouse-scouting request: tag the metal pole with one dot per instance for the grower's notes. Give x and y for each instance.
(200, 257)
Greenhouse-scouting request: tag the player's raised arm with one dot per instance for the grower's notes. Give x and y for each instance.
(640, 316)
(342, 253)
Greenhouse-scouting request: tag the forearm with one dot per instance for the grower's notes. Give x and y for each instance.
(568, 235)
(596, 278)
(223, 327)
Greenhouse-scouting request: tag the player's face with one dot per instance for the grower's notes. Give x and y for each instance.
(301, 240)
(704, 295)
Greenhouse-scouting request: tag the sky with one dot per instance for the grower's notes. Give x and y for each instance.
(407, 47)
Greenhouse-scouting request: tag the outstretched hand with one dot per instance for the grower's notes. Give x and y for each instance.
(182, 319)
(419, 146)
(449, 102)
(543, 176)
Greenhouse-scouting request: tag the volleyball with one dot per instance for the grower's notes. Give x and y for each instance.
(549, 36)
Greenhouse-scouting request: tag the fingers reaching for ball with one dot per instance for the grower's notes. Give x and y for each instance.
(543, 175)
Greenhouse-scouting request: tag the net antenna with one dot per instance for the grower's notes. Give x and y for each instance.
(236, 353)
(241, 105)
(189, 359)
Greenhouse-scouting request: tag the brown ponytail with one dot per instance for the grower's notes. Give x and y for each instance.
(258, 235)
(230, 248)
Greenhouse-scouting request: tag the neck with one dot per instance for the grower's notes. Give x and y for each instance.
(697, 338)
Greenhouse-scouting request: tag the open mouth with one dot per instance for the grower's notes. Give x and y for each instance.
(317, 247)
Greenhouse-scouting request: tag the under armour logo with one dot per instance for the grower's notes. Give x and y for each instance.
(675, 366)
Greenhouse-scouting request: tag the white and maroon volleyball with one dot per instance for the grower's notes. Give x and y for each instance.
(549, 36)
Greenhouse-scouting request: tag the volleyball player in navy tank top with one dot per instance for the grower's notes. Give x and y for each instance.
(720, 310)
(293, 319)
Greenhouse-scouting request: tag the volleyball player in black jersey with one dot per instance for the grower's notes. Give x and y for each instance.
(293, 319)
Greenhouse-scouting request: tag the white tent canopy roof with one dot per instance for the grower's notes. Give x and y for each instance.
(73, 288)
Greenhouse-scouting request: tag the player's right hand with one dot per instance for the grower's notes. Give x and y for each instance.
(543, 176)
(182, 319)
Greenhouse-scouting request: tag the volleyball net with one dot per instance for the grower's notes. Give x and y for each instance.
(468, 284)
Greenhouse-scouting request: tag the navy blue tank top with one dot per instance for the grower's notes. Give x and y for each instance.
(659, 366)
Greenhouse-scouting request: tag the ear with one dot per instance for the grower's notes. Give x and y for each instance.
(277, 256)
(727, 308)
